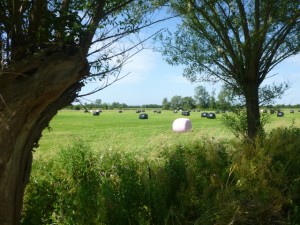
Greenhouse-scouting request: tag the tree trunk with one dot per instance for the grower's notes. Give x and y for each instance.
(252, 108)
(31, 93)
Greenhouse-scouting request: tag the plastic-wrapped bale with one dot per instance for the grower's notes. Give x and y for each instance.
(185, 113)
(143, 116)
(97, 113)
(204, 114)
(280, 114)
(211, 116)
(182, 125)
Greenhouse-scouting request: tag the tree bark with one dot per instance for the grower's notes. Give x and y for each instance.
(31, 93)
(252, 109)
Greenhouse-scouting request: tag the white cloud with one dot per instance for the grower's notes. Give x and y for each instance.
(138, 67)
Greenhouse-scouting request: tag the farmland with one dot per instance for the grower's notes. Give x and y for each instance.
(117, 169)
(124, 131)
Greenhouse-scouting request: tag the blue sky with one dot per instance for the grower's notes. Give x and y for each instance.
(151, 79)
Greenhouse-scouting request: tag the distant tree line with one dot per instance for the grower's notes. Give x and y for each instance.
(202, 99)
(97, 104)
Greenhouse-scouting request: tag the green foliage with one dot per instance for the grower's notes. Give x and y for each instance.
(201, 182)
(267, 179)
(284, 148)
(40, 194)
(66, 189)
(202, 97)
(236, 121)
(125, 197)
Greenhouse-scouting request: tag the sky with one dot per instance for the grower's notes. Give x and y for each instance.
(151, 79)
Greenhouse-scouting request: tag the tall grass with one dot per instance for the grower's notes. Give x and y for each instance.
(200, 182)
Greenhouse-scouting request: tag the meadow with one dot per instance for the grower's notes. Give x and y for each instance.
(126, 132)
(117, 169)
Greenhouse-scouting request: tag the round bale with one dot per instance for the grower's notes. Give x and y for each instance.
(204, 114)
(143, 116)
(185, 113)
(97, 113)
(211, 116)
(182, 125)
(280, 114)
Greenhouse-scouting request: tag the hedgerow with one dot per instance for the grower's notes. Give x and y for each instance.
(204, 182)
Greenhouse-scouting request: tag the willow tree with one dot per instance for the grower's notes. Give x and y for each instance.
(235, 41)
(49, 50)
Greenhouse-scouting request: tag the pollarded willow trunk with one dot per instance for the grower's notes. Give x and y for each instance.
(31, 93)
(252, 108)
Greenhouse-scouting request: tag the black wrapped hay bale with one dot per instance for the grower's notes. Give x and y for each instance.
(280, 114)
(204, 114)
(291, 111)
(211, 116)
(138, 111)
(97, 113)
(185, 113)
(120, 111)
(143, 116)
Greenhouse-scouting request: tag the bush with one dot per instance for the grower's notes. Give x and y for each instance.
(40, 196)
(236, 121)
(66, 189)
(267, 179)
(203, 182)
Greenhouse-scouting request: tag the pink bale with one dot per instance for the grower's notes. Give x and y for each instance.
(182, 125)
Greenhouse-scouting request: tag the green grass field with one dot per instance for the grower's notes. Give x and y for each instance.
(126, 132)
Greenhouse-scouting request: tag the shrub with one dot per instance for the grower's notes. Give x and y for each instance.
(124, 194)
(40, 196)
(65, 190)
(283, 147)
(267, 179)
(202, 182)
(236, 121)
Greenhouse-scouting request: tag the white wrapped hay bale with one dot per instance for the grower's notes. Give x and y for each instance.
(182, 125)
